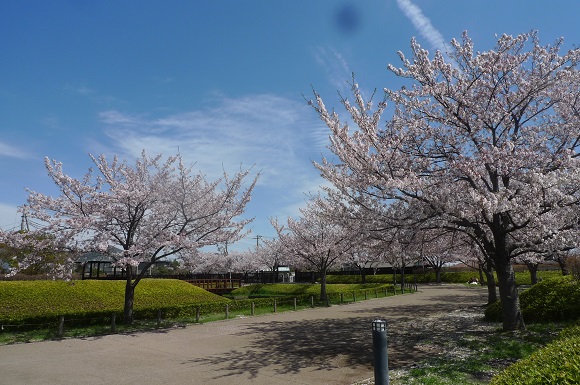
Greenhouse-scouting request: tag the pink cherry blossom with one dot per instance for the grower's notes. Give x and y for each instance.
(483, 143)
(148, 211)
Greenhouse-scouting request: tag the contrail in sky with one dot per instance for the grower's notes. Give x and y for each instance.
(335, 65)
(423, 24)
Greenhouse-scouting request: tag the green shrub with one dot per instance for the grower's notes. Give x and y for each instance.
(522, 277)
(556, 363)
(556, 299)
(493, 312)
(379, 278)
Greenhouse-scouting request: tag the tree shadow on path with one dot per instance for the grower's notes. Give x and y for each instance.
(415, 332)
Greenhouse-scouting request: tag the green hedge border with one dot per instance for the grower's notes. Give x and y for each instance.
(556, 363)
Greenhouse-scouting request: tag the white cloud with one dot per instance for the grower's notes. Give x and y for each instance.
(423, 25)
(9, 151)
(278, 136)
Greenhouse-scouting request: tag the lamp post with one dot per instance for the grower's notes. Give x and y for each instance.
(380, 354)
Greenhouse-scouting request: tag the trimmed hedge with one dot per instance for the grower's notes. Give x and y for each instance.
(522, 277)
(556, 299)
(429, 277)
(556, 363)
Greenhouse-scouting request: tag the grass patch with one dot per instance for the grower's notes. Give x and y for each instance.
(477, 356)
(32, 308)
(272, 290)
(42, 302)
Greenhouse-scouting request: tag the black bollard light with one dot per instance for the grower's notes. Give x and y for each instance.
(380, 354)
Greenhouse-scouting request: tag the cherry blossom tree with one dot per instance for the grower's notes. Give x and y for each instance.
(21, 257)
(271, 254)
(485, 142)
(350, 211)
(440, 247)
(475, 258)
(246, 261)
(315, 241)
(561, 258)
(201, 261)
(363, 257)
(152, 210)
(532, 262)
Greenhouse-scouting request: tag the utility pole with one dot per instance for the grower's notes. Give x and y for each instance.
(257, 240)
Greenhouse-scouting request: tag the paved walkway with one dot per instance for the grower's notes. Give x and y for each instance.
(315, 347)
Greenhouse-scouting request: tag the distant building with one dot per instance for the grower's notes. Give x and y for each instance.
(94, 264)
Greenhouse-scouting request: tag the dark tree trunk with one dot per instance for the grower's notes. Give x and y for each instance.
(533, 268)
(508, 293)
(363, 275)
(491, 287)
(323, 295)
(438, 274)
(129, 298)
(274, 273)
(403, 280)
(130, 284)
(562, 262)
(480, 268)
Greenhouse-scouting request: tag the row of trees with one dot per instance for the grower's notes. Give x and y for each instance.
(481, 148)
(477, 159)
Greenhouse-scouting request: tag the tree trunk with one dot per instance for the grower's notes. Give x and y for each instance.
(274, 268)
(491, 287)
(129, 299)
(438, 274)
(130, 285)
(480, 268)
(562, 262)
(323, 286)
(363, 275)
(508, 294)
(533, 268)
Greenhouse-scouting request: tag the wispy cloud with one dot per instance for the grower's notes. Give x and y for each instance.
(92, 94)
(423, 25)
(9, 151)
(275, 135)
(335, 65)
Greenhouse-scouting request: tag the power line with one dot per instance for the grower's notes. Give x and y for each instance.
(24, 223)
(257, 237)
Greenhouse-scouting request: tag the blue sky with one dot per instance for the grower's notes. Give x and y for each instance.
(220, 81)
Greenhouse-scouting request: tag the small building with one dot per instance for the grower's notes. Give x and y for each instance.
(95, 265)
